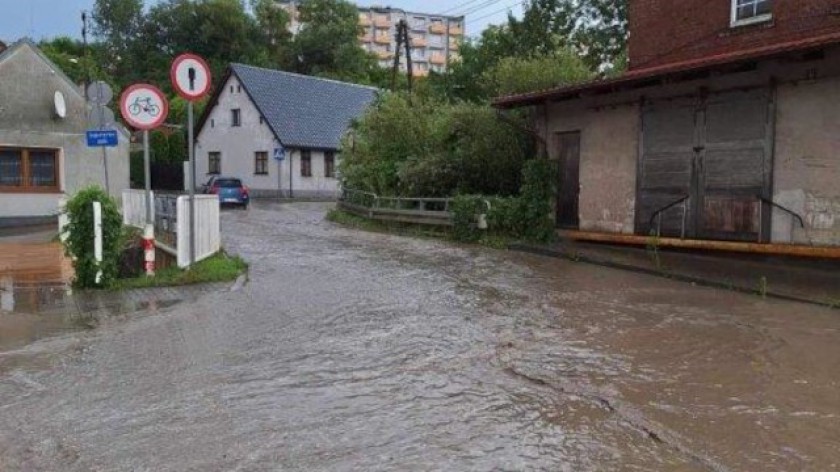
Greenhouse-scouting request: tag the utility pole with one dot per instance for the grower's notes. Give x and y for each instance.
(403, 40)
(85, 49)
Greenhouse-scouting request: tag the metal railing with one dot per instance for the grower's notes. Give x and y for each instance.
(657, 215)
(166, 219)
(794, 217)
(419, 210)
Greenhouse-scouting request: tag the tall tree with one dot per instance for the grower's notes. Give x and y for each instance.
(327, 43)
(273, 23)
(118, 24)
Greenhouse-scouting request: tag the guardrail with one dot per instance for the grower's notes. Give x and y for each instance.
(424, 211)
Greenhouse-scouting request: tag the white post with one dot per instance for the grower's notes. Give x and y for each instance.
(149, 230)
(97, 239)
(191, 151)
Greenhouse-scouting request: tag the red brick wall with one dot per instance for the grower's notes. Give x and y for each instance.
(667, 31)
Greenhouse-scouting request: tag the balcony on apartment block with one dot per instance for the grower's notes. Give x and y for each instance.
(437, 28)
(364, 20)
(383, 39)
(438, 59)
(382, 22)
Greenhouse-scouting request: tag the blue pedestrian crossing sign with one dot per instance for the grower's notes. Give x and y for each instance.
(279, 154)
(101, 138)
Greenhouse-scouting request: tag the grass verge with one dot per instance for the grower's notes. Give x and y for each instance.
(217, 268)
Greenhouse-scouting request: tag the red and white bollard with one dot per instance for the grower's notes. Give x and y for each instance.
(149, 250)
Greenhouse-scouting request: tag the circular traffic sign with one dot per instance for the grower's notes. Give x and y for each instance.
(190, 76)
(143, 106)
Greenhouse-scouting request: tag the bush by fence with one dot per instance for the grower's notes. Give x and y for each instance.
(79, 242)
(527, 216)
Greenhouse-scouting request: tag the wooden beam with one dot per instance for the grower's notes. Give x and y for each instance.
(797, 250)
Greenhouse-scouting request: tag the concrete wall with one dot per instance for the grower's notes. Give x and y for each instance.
(807, 164)
(239, 144)
(27, 87)
(609, 148)
(806, 157)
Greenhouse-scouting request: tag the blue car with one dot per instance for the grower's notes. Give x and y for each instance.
(231, 191)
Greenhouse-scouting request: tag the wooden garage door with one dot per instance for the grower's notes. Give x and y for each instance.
(717, 151)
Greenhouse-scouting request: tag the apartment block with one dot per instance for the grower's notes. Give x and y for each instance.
(435, 39)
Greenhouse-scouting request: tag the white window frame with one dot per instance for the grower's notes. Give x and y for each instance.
(747, 21)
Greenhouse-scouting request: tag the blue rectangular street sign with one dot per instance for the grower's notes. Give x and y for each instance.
(101, 138)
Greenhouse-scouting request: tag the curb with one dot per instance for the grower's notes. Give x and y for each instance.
(701, 281)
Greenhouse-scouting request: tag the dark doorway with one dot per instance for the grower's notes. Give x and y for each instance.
(568, 182)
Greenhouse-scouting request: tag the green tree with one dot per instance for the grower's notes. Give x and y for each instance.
(70, 55)
(514, 75)
(431, 148)
(273, 23)
(327, 43)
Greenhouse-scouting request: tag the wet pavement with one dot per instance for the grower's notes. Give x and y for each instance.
(359, 351)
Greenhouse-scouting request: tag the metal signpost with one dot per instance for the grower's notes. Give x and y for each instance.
(190, 76)
(100, 95)
(279, 156)
(145, 107)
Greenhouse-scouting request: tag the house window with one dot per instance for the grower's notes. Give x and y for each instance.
(261, 163)
(262, 120)
(214, 163)
(751, 11)
(235, 117)
(28, 170)
(329, 164)
(306, 163)
(231, 89)
(212, 123)
(238, 89)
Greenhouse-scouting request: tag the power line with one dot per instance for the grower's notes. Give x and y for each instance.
(507, 8)
(458, 7)
(480, 6)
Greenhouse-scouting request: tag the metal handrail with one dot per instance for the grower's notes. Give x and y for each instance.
(658, 213)
(780, 207)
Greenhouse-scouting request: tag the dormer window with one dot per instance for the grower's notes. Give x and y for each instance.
(747, 12)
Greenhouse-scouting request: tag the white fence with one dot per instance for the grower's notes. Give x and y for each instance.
(208, 239)
(134, 208)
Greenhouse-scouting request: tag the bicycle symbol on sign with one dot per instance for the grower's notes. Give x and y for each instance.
(141, 105)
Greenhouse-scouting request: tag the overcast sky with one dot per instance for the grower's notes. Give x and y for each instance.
(49, 18)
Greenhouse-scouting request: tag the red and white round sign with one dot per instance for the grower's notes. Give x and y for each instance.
(144, 106)
(190, 76)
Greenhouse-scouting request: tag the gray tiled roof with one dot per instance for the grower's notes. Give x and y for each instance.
(304, 111)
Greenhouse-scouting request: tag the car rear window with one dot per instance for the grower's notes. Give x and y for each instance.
(229, 183)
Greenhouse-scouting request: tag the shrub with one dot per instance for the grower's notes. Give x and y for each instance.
(464, 210)
(79, 242)
(537, 192)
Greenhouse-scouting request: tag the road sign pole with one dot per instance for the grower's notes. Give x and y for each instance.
(147, 172)
(149, 230)
(191, 150)
(104, 150)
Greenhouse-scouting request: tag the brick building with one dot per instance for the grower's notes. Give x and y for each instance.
(726, 127)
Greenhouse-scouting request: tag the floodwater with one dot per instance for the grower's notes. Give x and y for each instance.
(358, 351)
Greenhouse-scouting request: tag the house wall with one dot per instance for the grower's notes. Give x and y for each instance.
(806, 168)
(807, 163)
(609, 146)
(667, 31)
(27, 88)
(238, 146)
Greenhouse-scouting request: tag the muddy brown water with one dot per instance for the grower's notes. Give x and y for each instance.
(358, 351)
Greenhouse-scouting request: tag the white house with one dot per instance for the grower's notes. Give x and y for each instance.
(277, 131)
(43, 150)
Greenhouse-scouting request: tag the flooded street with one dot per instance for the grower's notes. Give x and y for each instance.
(350, 351)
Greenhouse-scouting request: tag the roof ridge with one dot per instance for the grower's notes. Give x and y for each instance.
(312, 77)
